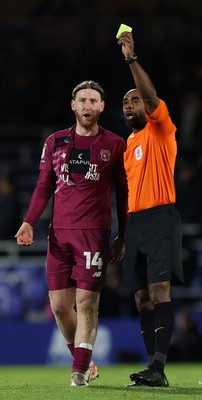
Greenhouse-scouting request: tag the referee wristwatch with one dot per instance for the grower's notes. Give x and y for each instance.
(131, 60)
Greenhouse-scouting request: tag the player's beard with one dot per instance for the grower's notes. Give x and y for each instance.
(88, 123)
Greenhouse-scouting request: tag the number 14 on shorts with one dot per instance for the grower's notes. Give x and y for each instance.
(93, 260)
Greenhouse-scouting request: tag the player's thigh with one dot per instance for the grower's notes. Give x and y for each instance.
(60, 261)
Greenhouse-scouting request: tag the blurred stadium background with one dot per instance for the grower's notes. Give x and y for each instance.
(47, 47)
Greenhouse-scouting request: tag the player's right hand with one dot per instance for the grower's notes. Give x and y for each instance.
(24, 235)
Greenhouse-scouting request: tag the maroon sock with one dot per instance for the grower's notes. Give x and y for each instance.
(71, 348)
(82, 359)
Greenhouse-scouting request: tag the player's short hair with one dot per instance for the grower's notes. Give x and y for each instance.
(88, 85)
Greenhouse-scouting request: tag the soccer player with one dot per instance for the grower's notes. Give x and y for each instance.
(79, 165)
(153, 232)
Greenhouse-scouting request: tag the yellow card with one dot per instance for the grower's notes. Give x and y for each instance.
(123, 28)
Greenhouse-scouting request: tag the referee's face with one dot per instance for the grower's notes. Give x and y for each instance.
(133, 110)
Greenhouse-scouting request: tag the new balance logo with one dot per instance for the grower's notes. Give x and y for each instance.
(97, 274)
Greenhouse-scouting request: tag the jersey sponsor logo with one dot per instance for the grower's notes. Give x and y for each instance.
(79, 161)
(138, 153)
(105, 155)
(65, 178)
(64, 175)
(65, 167)
(92, 173)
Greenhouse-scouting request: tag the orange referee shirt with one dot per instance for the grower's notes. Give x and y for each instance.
(150, 160)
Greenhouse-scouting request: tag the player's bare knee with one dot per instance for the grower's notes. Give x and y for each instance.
(58, 308)
(86, 300)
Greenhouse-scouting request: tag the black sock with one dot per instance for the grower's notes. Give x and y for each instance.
(164, 324)
(147, 323)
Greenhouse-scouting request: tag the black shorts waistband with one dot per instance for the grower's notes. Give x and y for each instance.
(153, 209)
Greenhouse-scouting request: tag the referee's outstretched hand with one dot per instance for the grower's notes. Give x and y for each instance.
(127, 43)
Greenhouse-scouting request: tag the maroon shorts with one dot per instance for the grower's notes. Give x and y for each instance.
(77, 258)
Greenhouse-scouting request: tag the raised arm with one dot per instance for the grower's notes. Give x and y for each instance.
(141, 79)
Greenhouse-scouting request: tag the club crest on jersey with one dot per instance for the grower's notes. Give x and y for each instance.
(138, 153)
(105, 155)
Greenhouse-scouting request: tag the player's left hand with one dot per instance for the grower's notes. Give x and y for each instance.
(117, 250)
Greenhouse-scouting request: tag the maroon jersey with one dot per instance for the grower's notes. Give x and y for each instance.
(80, 171)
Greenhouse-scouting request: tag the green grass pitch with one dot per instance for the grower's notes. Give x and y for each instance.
(52, 383)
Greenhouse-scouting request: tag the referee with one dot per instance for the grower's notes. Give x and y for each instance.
(153, 239)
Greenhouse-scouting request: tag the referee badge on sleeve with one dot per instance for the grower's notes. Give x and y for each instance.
(138, 153)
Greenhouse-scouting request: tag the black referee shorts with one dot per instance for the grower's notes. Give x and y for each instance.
(153, 243)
